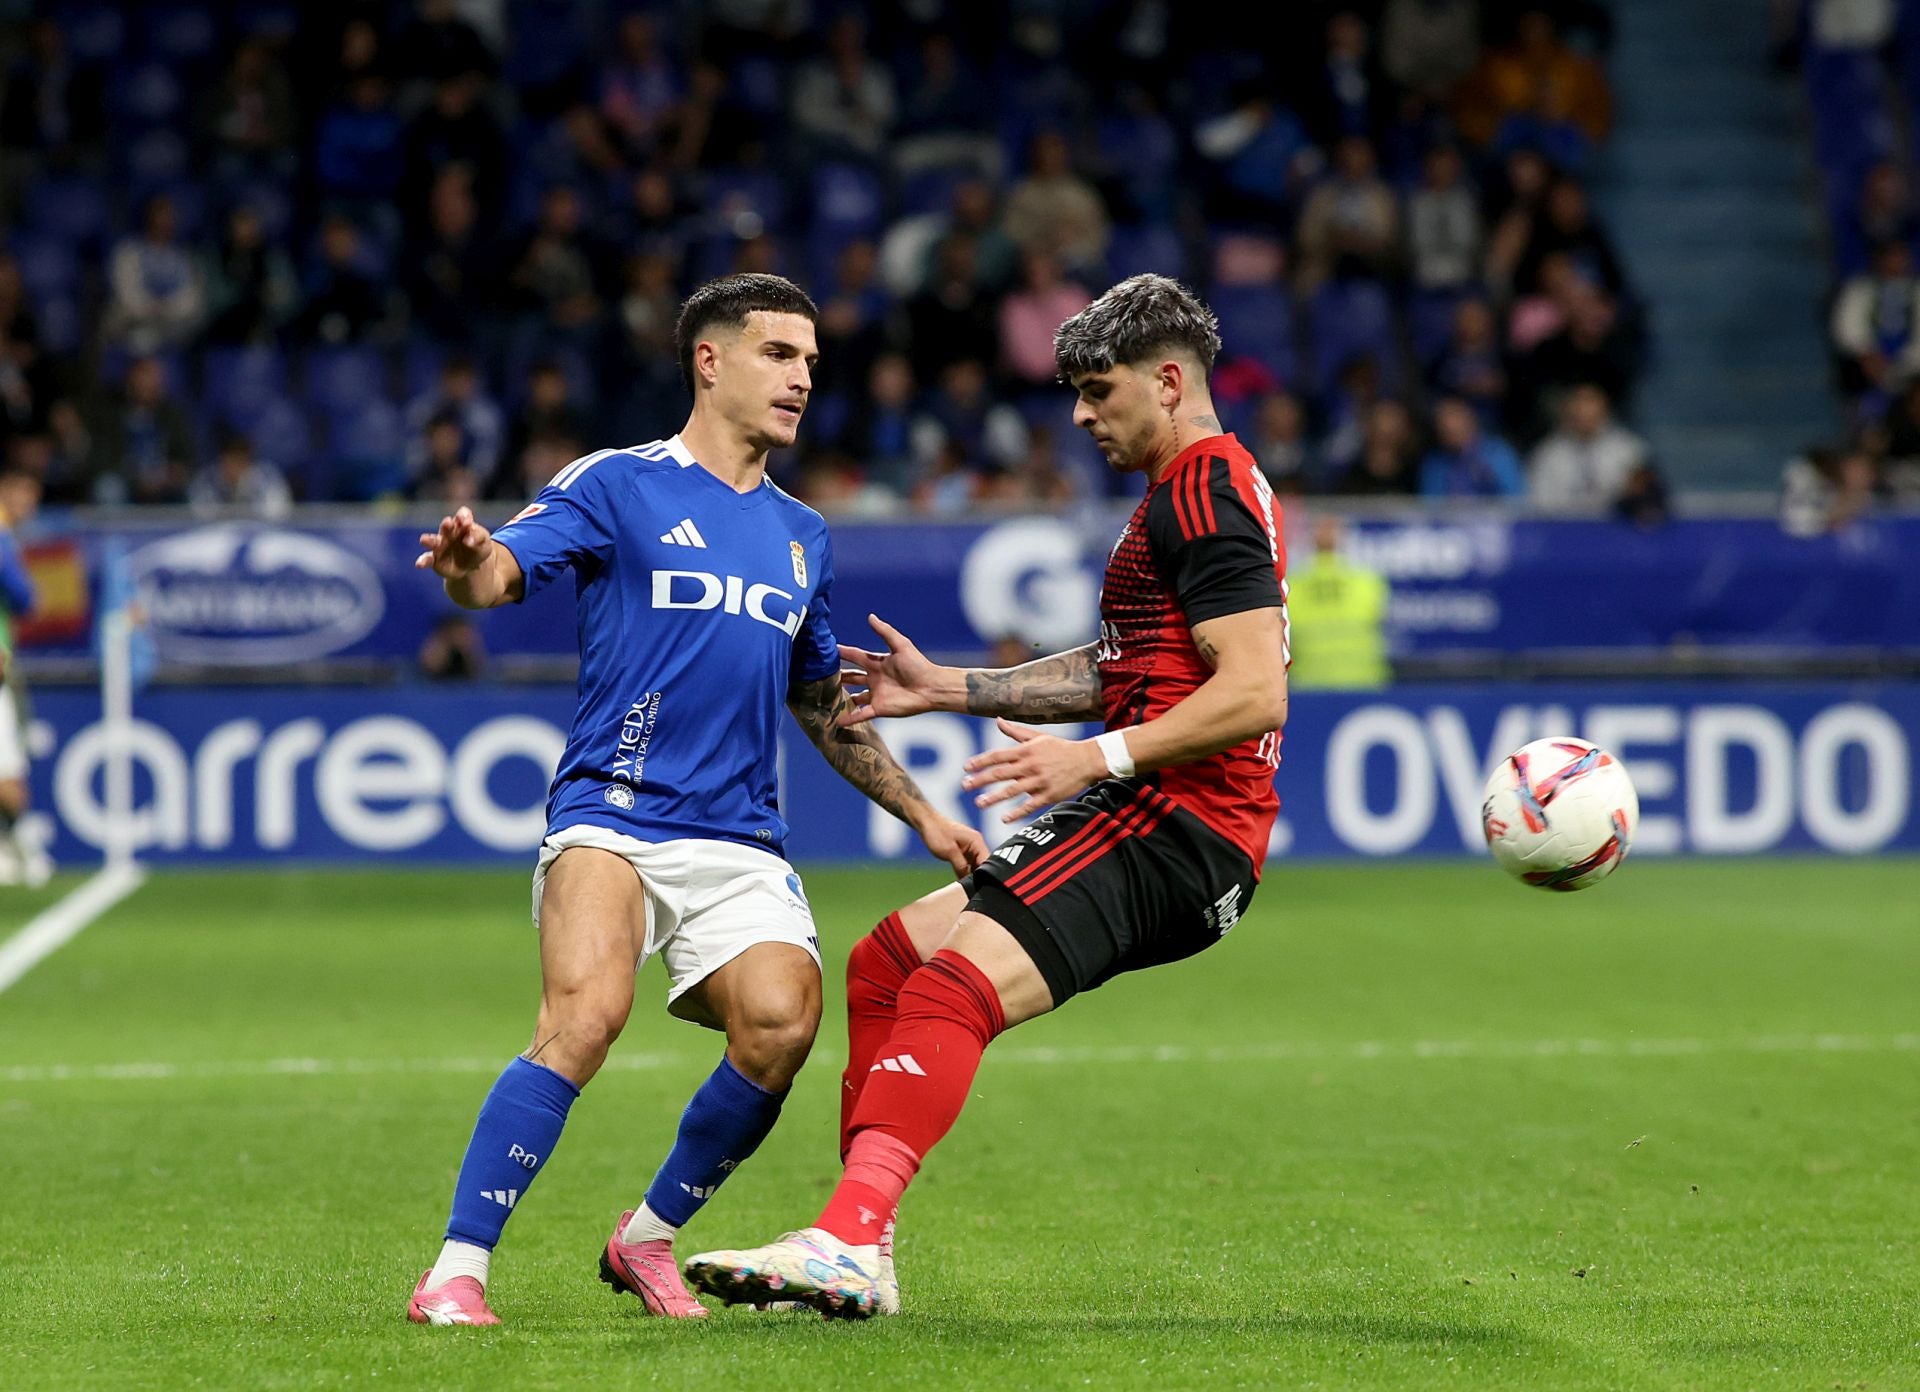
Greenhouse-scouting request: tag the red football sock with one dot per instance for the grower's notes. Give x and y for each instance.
(877, 968)
(948, 1014)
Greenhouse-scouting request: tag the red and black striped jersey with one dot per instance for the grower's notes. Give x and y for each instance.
(1205, 542)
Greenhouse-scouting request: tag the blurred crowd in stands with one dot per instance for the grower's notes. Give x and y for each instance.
(1860, 63)
(258, 252)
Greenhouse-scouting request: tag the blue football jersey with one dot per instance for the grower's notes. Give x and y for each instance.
(697, 608)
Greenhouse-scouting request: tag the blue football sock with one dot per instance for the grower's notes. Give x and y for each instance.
(519, 1123)
(724, 1123)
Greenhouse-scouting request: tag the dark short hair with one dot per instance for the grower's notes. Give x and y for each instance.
(1141, 316)
(729, 300)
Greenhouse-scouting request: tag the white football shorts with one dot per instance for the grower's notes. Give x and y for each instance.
(13, 745)
(707, 901)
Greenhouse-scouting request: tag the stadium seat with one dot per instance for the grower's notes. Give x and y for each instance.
(525, 347)
(96, 33)
(62, 326)
(730, 192)
(1137, 250)
(146, 94)
(367, 452)
(1907, 63)
(930, 190)
(279, 432)
(1257, 321)
(755, 82)
(266, 19)
(242, 382)
(420, 366)
(48, 265)
(340, 380)
(74, 207)
(1852, 126)
(271, 202)
(189, 201)
(549, 41)
(181, 33)
(848, 202)
(116, 357)
(1351, 319)
(155, 157)
(1430, 323)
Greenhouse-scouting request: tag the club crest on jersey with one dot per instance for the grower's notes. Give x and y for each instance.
(621, 796)
(799, 563)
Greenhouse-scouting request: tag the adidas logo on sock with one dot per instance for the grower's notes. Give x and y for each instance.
(904, 1063)
(701, 1191)
(506, 1198)
(685, 533)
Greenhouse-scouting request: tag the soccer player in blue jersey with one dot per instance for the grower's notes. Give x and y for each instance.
(701, 598)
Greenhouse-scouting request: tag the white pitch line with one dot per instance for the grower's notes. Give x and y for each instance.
(1276, 1052)
(61, 922)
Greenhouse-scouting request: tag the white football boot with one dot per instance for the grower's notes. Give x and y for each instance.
(811, 1267)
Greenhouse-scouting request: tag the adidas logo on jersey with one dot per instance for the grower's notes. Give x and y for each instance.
(684, 533)
(902, 1063)
(506, 1198)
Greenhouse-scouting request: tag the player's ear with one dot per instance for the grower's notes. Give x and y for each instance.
(1171, 379)
(706, 360)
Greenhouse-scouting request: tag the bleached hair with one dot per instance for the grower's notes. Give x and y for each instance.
(1141, 317)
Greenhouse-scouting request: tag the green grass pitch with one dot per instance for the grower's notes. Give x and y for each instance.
(1409, 1126)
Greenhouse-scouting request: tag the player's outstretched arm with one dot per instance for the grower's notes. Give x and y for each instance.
(479, 573)
(860, 757)
(902, 681)
(1246, 697)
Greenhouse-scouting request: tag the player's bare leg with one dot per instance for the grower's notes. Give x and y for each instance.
(592, 933)
(980, 983)
(767, 1001)
(593, 924)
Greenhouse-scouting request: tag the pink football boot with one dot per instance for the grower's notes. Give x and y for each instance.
(650, 1272)
(459, 1301)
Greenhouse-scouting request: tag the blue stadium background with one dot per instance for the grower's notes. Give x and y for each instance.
(1596, 321)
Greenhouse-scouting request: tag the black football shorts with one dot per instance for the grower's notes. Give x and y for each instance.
(1118, 879)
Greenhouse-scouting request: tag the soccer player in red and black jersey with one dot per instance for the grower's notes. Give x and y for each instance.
(1157, 827)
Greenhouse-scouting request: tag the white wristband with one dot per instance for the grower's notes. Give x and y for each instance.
(1113, 744)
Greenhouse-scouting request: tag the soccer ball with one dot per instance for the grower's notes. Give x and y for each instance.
(1559, 813)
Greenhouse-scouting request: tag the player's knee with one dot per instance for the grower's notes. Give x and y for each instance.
(586, 1022)
(770, 1044)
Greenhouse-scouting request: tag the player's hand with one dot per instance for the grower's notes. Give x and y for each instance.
(900, 681)
(458, 548)
(1043, 767)
(954, 842)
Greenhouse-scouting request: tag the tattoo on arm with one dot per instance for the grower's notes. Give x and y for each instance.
(1208, 649)
(856, 753)
(1065, 686)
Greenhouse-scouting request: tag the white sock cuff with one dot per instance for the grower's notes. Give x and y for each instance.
(460, 1259)
(647, 1226)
